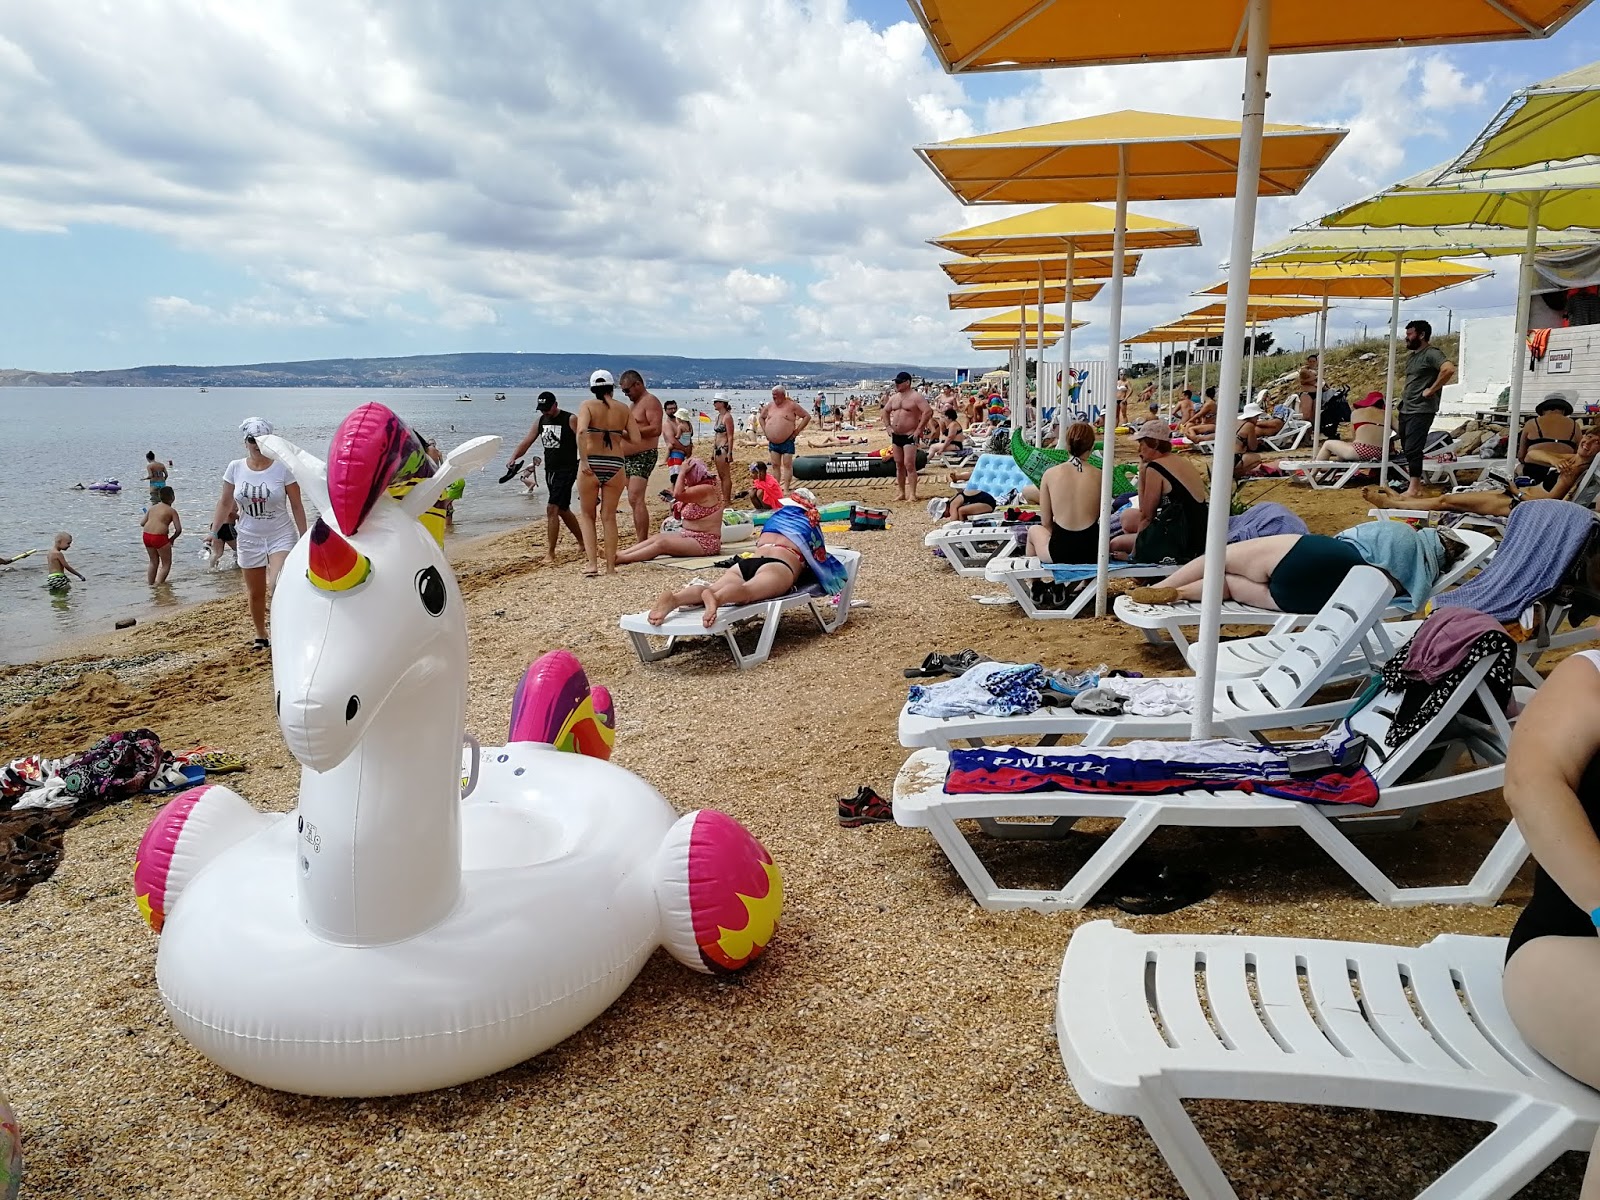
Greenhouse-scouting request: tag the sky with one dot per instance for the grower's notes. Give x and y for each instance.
(183, 181)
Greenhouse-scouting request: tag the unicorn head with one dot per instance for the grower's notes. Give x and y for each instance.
(367, 607)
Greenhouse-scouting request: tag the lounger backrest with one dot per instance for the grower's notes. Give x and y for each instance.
(1334, 635)
(1375, 716)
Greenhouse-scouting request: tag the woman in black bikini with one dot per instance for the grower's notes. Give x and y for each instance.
(1069, 505)
(602, 422)
(776, 570)
(722, 446)
(1552, 975)
(1549, 437)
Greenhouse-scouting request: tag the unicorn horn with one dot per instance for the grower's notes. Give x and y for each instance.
(335, 565)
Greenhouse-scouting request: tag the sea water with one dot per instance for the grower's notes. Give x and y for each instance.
(56, 438)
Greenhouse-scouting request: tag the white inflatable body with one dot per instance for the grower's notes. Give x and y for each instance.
(389, 935)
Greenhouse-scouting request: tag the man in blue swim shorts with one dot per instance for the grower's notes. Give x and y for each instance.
(781, 422)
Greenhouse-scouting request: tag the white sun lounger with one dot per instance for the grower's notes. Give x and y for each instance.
(920, 801)
(1334, 473)
(1278, 698)
(1018, 574)
(687, 623)
(1286, 441)
(1145, 1022)
(969, 546)
(1161, 623)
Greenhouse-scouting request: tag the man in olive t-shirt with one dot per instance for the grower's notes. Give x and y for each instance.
(1427, 372)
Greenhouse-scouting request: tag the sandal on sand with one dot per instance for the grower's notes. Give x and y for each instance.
(176, 779)
(261, 644)
(214, 762)
(866, 807)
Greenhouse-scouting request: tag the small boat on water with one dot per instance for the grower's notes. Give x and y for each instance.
(499, 395)
(465, 397)
(202, 389)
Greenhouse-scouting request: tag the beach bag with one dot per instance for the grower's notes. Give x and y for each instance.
(863, 517)
(116, 767)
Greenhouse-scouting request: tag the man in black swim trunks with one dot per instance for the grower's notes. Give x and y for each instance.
(905, 414)
(556, 438)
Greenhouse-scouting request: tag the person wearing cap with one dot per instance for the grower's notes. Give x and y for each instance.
(1168, 519)
(557, 443)
(722, 433)
(605, 428)
(782, 419)
(1549, 436)
(643, 449)
(271, 519)
(1366, 434)
(906, 414)
(766, 493)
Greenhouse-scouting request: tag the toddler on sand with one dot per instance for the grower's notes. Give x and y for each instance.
(57, 568)
(161, 528)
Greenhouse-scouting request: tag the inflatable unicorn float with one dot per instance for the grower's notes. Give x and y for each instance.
(405, 929)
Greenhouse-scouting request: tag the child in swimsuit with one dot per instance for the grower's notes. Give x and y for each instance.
(57, 568)
(161, 528)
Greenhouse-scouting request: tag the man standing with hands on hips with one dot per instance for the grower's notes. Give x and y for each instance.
(1427, 373)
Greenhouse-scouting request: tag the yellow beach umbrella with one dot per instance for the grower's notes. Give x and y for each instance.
(1269, 308)
(1558, 198)
(1548, 122)
(1123, 156)
(1023, 268)
(1351, 281)
(998, 35)
(1164, 157)
(1366, 245)
(1006, 344)
(1010, 35)
(1017, 320)
(1181, 333)
(998, 295)
(1064, 229)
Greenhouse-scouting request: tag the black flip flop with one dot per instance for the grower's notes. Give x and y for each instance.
(931, 666)
(511, 470)
(1151, 891)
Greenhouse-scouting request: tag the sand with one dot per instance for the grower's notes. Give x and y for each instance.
(896, 1041)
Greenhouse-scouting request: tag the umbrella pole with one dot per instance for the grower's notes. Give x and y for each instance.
(1250, 379)
(1233, 328)
(1066, 351)
(1038, 375)
(1388, 382)
(1322, 346)
(1108, 451)
(1519, 334)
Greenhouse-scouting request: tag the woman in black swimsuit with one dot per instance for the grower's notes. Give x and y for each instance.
(1552, 977)
(1069, 505)
(776, 570)
(1540, 449)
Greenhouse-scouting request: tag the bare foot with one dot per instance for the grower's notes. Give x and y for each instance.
(709, 599)
(666, 604)
(1378, 497)
(1153, 595)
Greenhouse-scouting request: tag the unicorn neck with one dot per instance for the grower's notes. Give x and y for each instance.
(380, 849)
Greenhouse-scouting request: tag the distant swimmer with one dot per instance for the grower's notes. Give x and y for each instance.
(155, 474)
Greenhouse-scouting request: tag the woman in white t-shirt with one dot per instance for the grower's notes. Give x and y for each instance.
(271, 519)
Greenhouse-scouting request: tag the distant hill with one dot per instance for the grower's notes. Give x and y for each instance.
(486, 371)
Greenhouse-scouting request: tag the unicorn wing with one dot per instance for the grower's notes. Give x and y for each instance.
(309, 471)
(467, 457)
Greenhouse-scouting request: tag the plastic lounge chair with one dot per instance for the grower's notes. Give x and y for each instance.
(687, 623)
(1163, 622)
(1278, 698)
(1334, 473)
(920, 801)
(1288, 439)
(1018, 574)
(1147, 1021)
(969, 546)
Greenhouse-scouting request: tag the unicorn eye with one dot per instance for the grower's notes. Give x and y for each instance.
(430, 586)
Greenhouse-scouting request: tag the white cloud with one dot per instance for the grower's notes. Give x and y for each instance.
(747, 287)
(594, 165)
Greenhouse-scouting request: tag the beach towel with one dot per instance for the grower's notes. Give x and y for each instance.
(1541, 540)
(990, 689)
(801, 528)
(1442, 642)
(1151, 768)
(1420, 699)
(1078, 572)
(1263, 520)
(1413, 558)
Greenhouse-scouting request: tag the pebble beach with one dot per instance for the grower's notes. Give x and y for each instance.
(896, 1040)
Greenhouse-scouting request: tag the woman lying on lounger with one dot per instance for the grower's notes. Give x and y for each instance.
(1299, 572)
(1499, 497)
(790, 555)
(697, 503)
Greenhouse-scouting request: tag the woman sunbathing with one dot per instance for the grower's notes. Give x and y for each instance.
(1299, 572)
(1499, 498)
(697, 503)
(1366, 434)
(790, 554)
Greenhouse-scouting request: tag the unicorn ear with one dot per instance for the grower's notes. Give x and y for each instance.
(309, 471)
(467, 457)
